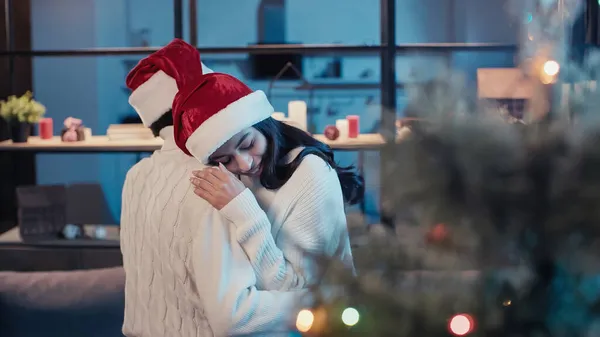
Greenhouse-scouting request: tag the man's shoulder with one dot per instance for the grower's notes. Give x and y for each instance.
(134, 171)
(193, 204)
(183, 163)
(160, 171)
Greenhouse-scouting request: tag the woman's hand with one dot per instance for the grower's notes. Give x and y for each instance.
(218, 186)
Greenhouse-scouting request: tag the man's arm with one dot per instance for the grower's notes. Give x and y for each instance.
(226, 282)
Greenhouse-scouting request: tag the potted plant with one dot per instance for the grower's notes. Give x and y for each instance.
(20, 113)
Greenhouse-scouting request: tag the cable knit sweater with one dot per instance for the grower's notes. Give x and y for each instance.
(304, 217)
(185, 273)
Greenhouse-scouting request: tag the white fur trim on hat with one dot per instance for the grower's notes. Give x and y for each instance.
(205, 69)
(225, 124)
(154, 97)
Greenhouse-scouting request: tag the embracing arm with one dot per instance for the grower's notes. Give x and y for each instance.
(226, 282)
(311, 227)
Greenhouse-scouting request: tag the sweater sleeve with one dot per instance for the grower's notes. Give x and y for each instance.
(311, 227)
(226, 282)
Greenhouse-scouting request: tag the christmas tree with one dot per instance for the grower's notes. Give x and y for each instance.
(504, 228)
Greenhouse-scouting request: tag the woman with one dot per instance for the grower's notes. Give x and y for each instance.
(293, 176)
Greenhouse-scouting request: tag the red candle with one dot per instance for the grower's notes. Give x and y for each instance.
(353, 126)
(46, 128)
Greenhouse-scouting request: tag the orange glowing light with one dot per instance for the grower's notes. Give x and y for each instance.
(305, 320)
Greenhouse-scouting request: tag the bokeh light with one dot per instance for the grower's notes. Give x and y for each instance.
(551, 68)
(461, 324)
(350, 316)
(305, 320)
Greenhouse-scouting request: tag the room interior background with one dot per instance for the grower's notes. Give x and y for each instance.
(92, 87)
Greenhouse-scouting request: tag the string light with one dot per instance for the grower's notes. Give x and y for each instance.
(350, 316)
(461, 324)
(551, 68)
(305, 320)
(549, 71)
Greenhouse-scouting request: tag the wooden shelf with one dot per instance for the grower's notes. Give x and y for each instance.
(103, 144)
(95, 144)
(13, 238)
(367, 141)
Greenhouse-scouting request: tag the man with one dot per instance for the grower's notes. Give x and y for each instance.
(185, 273)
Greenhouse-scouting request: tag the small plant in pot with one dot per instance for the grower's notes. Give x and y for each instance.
(20, 113)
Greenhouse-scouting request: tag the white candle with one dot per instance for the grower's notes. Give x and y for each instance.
(297, 113)
(279, 116)
(342, 125)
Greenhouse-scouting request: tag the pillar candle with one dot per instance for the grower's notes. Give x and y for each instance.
(279, 116)
(353, 126)
(297, 113)
(46, 128)
(342, 126)
(87, 133)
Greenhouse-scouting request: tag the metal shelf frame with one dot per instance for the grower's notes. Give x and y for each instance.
(314, 49)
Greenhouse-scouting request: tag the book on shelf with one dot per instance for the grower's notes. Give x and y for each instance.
(128, 131)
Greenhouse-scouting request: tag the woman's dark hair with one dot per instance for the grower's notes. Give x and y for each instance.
(281, 139)
(161, 123)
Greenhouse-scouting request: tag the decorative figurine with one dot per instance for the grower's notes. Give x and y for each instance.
(73, 130)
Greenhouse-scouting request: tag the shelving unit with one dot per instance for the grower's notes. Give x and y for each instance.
(387, 50)
(101, 144)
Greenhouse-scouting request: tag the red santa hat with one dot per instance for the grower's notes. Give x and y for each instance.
(157, 78)
(207, 113)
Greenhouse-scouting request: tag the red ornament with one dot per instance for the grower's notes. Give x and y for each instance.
(438, 233)
(331, 132)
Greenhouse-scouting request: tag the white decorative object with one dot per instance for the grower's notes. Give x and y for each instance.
(100, 233)
(278, 116)
(87, 132)
(297, 113)
(71, 231)
(342, 126)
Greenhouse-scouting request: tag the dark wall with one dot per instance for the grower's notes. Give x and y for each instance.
(15, 168)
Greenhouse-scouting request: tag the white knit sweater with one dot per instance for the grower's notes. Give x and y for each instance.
(185, 273)
(302, 219)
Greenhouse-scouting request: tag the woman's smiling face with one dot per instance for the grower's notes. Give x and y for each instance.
(242, 154)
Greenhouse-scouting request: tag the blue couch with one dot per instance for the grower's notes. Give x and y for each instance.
(88, 303)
